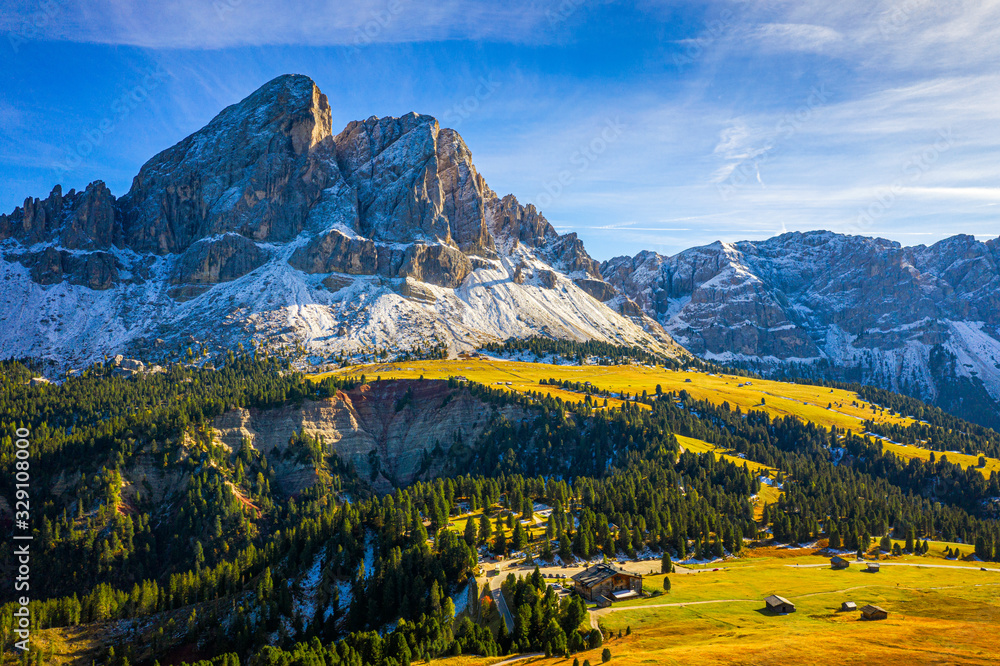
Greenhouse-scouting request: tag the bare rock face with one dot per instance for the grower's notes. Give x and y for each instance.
(92, 221)
(599, 289)
(96, 270)
(440, 265)
(388, 431)
(46, 267)
(410, 288)
(36, 221)
(571, 256)
(414, 182)
(78, 221)
(513, 224)
(217, 260)
(628, 307)
(548, 279)
(522, 224)
(335, 252)
(256, 169)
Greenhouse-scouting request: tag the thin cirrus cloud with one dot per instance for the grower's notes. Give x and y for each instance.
(796, 37)
(198, 24)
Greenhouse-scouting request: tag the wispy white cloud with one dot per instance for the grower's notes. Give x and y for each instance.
(921, 35)
(200, 24)
(796, 37)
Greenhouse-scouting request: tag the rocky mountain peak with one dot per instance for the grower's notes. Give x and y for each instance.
(414, 182)
(256, 169)
(266, 226)
(77, 220)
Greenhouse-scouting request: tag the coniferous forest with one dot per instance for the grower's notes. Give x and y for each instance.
(204, 552)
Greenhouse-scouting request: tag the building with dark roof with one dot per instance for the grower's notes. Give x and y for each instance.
(871, 612)
(606, 581)
(778, 604)
(838, 562)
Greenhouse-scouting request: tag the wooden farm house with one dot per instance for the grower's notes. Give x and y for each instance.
(871, 612)
(838, 562)
(778, 604)
(607, 583)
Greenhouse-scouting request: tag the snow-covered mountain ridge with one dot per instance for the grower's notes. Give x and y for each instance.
(921, 320)
(265, 227)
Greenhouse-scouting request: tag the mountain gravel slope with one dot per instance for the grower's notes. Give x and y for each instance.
(922, 320)
(266, 228)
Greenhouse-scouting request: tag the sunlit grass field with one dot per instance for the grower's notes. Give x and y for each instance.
(824, 406)
(699, 446)
(936, 616)
(810, 403)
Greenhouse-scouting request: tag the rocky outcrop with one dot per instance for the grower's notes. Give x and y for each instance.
(599, 289)
(414, 182)
(335, 252)
(515, 223)
(217, 260)
(440, 265)
(547, 279)
(256, 169)
(96, 270)
(570, 255)
(392, 432)
(92, 220)
(410, 288)
(77, 221)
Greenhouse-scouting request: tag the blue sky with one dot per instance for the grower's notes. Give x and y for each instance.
(640, 125)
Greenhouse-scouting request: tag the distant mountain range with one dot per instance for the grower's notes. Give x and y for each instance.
(266, 228)
(920, 320)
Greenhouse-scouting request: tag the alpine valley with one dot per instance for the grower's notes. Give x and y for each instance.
(266, 228)
(300, 398)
